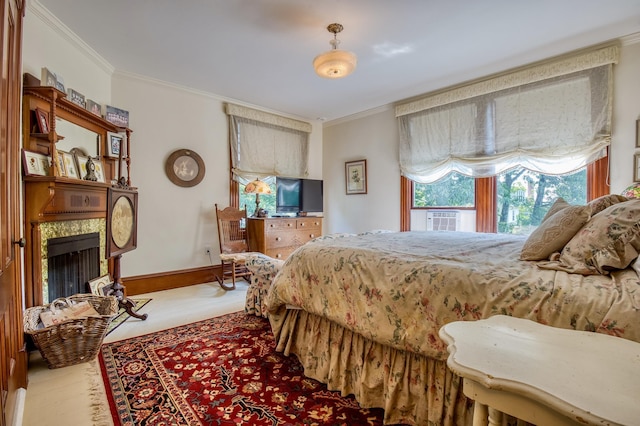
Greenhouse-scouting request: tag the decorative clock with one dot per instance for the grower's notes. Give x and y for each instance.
(185, 168)
(122, 219)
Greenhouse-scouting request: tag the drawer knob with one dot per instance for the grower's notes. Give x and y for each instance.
(288, 224)
(312, 236)
(279, 255)
(302, 224)
(278, 238)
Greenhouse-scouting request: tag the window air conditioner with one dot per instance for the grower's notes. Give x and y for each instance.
(443, 220)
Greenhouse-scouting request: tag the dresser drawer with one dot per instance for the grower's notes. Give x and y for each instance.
(280, 253)
(280, 224)
(309, 223)
(290, 238)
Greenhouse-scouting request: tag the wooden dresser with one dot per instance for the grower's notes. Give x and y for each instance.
(278, 237)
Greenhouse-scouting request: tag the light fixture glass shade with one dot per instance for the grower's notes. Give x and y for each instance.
(335, 63)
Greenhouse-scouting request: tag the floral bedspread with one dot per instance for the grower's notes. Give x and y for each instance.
(398, 289)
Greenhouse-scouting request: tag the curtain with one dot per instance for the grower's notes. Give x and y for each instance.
(552, 118)
(264, 144)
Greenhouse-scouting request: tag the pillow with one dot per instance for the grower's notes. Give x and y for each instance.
(605, 201)
(609, 241)
(554, 232)
(558, 205)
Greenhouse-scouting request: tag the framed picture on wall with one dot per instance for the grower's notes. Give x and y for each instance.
(636, 168)
(356, 177)
(114, 144)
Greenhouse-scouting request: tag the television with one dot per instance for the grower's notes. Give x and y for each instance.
(298, 195)
(288, 195)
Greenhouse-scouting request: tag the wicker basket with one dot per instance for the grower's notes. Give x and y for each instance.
(74, 341)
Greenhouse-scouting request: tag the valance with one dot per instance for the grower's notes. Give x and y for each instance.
(267, 118)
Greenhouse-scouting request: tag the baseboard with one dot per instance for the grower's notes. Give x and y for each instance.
(167, 280)
(18, 409)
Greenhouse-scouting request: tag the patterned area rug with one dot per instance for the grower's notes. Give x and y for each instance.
(221, 371)
(122, 315)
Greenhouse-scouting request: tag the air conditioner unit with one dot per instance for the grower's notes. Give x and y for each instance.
(443, 220)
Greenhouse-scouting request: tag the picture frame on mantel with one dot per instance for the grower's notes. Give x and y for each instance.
(356, 177)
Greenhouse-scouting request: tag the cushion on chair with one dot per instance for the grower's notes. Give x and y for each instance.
(237, 257)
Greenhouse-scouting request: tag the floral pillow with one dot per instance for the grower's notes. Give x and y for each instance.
(555, 231)
(609, 241)
(605, 201)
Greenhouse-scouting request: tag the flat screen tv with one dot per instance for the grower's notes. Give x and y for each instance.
(288, 195)
(311, 196)
(298, 195)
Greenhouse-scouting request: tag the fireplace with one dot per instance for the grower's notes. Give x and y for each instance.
(72, 261)
(59, 237)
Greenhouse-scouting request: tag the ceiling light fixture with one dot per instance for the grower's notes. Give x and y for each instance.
(335, 63)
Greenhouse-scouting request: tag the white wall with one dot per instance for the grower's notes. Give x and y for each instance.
(372, 136)
(175, 224)
(375, 138)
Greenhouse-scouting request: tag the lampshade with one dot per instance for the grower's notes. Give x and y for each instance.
(335, 63)
(632, 191)
(257, 187)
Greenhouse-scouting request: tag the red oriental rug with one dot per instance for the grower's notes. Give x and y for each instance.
(221, 371)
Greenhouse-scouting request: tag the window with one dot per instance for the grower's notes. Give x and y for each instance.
(524, 197)
(454, 190)
(551, 118)
(263, 145)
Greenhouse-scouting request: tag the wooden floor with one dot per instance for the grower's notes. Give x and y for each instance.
(75, 395)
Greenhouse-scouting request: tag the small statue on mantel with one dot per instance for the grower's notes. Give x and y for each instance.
(91, 171)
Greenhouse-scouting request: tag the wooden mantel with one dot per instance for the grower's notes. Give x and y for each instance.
(54, 199)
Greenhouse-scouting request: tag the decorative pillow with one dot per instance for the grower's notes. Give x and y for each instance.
(558, 205)
(605, 201)
(609, 241)
(554, 232)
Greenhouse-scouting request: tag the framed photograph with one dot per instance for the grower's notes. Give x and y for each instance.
(356, 177)
(116, 116)
(115, 143)
(638, 133)
(97, 284)
(42, 118)
(47, 78)
(62, 169)
(107, 290)
(76, 97)
(636, 168)
(94, 107)
(70, 165)
(35, 164)
(81, 163)
(99, 170)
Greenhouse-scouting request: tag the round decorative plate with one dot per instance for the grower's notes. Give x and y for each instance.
(184, 168)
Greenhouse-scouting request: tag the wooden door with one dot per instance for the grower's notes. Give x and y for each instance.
(13, 357)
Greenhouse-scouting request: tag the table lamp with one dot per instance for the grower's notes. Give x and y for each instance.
(257, 187)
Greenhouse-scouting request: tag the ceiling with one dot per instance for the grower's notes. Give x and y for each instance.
(259, 52)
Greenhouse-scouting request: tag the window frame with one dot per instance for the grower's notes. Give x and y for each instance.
(486, 197)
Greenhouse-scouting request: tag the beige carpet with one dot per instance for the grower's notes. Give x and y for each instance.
(74, 395)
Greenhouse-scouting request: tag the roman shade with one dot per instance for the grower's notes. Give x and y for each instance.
(552, 118)
(264, 144)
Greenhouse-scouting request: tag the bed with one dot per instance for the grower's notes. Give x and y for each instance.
(362, 312)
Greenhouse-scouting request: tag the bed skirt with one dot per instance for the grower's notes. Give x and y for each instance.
(412, 389)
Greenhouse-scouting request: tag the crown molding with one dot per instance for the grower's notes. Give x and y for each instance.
(130, 76)
(358, 115)
(43, 14)
(630, 39)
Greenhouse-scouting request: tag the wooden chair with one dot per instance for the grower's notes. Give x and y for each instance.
(233, 245)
